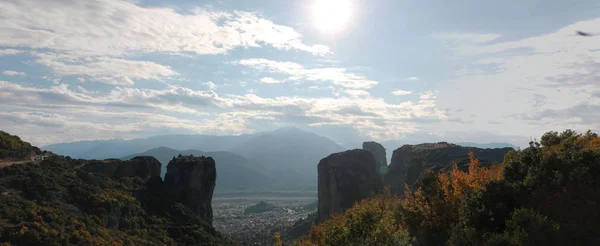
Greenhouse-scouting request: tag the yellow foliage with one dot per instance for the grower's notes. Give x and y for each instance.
(456, 183)
(369, 222)
(277, 239)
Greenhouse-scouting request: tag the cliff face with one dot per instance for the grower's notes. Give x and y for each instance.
(409, 161)
(191, 181)
(378, 152)
(345, 178)
(140, 166)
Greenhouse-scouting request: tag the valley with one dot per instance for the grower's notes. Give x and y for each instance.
(258, 228)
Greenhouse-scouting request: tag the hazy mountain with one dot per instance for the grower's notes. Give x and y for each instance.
(101, 149)
(289, 148)
(288, 154)
(233, 171)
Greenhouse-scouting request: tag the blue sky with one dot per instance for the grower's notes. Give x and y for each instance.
(412, 71)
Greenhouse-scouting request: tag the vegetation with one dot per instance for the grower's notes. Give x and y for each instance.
(260, 207)
(547, 194)
(12, 146)
(55, 202)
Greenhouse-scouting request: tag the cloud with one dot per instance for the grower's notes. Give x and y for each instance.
(114, 71)
(296, 72)
(210, 85)
(467, 37)
(8, 52)
(171, 99)
(13, 73)
(413, 78)
(119, 28)
(369, 116)
(541, 77)
(269, 80)
(401, 92)
(357, 93)
(100, 38)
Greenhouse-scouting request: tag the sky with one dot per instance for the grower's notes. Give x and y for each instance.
(351, 70)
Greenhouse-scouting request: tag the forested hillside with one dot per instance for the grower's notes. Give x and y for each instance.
(547, 194)
(56, 203)
(12, 147)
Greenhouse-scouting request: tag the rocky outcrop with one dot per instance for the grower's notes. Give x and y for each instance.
(409, 161)
(191, 180)
(106, 167)
(139, 166)
(345, 178)
(378, 152)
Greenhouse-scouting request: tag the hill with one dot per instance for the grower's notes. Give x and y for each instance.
(289, 155)
(289, 148)
(56, 202)
(13, 148)
(546, 194)
(103, 149)
(234, 171)
(409, 161)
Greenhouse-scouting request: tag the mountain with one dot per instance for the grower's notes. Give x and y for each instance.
(409, 161)
(13, 148)
(233, 171)
(102, 149)
(62, 201)
(290, 148)
(289, 155)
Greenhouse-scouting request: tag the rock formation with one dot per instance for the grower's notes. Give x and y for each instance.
(345, 178)
(378, 152)
(409, 161)
(106, 167)
(191, 181)
(140, 166)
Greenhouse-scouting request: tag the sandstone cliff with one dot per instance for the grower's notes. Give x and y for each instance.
(345, 178)
(409, 161)
(140, 166)
(191, 181)
(378, 152)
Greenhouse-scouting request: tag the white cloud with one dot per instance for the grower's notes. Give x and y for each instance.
(413, 78)
(210, 85)
(534, 77)
(357, 93)
(117, 28)
(468, 37)
(13, 73)
(369, 116)
(97, 38)
(269, 80)
(80, 79)
(7, 52)
(401, 92)
(338, 76)
(107, 70)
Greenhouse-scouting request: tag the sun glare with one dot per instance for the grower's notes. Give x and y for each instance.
(331, 16)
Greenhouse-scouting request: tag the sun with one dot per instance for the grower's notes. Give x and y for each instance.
(331, 16)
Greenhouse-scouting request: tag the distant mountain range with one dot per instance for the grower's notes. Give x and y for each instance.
(284, 157)
(233, 171)
(287, 156)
